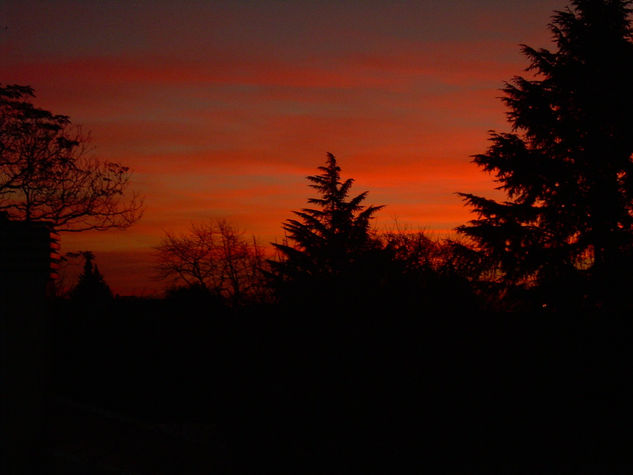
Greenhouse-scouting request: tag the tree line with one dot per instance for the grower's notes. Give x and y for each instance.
(562, 239)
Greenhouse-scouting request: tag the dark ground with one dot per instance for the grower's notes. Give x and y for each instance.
(142, 387)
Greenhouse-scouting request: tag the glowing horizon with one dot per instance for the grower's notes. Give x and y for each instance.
(222, 109)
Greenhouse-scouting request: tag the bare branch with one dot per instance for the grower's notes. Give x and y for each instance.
(214, 256)
(47, 175)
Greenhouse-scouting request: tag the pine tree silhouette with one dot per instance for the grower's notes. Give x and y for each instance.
(91, 286)
(326, 243)
(566, 166)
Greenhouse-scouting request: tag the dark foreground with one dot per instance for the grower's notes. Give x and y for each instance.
(151, 387)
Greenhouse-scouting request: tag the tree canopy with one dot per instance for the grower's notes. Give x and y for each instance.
(47, 175)
(566, 164)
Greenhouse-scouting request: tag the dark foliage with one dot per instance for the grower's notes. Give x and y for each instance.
(196, 299)
(91, 287)
(331, 250)
(426, 275)
(567, 226)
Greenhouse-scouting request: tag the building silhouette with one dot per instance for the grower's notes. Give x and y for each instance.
(28, 262)
(29, 259)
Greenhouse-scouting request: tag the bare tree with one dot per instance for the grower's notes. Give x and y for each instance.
(214, 256)
(47, 175)
(417, 250)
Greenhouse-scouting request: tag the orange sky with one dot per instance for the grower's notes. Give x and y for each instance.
(222, 108)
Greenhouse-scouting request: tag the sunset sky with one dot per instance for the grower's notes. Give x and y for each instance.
(221, 108)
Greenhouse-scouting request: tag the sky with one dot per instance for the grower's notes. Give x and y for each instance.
(222, 108)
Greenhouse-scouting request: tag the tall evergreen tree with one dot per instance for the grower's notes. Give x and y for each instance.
(327, 243)
(91, 286)
(566, 165)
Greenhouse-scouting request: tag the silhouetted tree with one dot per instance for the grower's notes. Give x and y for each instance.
(428, 273)
(46, 175)
(91, 286)
(328, 243)
(566, 166)
(213, 257)
(417, 251)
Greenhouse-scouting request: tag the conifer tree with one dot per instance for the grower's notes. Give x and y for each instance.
(91, 287)
(327, 242)
(566, 164)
